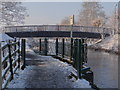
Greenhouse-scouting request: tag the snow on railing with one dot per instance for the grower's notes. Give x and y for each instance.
(10, 61)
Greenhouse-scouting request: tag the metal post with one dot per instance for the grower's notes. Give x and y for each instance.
(82, 51)
(56, 46)
(10, 60)
(23, 53)
(71, 56)
(79, 57)
(39, 46)
(75, 53)
(18, 54)
(0, 67)
(63, 47)
(46, 47)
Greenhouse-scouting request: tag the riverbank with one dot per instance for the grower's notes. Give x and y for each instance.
(109, 44)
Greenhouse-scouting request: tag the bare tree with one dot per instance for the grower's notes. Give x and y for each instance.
(12, 13)
(66, 21)
(91, 13)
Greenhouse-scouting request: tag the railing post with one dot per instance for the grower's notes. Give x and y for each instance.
(18, 54)
(10, 60)
(56, 46)
(23, 53)
(71, 54)
(79, 57)
(63, 47)
(46, 46)
(82, 52)
(0, 67)
(39, 46)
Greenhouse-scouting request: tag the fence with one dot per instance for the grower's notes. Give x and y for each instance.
(11, 59)
(71, 50)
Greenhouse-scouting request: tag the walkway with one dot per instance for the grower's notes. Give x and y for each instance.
(46, 72)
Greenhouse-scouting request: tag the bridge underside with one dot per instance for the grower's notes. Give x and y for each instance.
(75, 34)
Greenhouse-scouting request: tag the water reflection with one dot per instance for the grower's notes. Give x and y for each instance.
(105, 68)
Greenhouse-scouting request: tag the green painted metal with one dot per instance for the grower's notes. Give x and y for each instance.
(71, 56)
(23, 52)
(39, 46)
(56, 46)
(46, 46)
(63, 47)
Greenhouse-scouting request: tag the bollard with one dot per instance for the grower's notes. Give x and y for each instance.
(56, 46)
(10, 60)
(0, 67)
(39, 46)
(23, 53)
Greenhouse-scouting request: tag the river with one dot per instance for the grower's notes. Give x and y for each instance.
(105, 68)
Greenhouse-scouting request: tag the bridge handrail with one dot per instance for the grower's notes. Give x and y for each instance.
(57, 28)
(10, 61)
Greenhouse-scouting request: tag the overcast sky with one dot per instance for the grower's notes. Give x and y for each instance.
(54, 12)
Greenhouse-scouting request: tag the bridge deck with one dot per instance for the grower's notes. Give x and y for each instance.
(46, 72)
(77, 34)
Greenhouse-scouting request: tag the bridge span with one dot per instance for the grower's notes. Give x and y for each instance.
(58, 31)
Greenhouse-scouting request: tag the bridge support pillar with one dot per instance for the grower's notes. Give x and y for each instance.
(0, 68)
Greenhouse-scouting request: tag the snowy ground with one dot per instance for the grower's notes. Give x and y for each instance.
(46, 72)
(109, 43)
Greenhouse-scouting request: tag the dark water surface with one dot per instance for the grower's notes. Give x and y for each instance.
(105, 68)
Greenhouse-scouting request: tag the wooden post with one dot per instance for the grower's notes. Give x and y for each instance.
(10, 60)
(56, 46)
(63, 47)
(23, 53)
(39, 46)
(0, 67)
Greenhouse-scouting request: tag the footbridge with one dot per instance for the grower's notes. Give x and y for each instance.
(58, 31)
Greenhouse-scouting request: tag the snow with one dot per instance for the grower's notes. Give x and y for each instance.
(109, 43)
(5, 37)
(46, 72)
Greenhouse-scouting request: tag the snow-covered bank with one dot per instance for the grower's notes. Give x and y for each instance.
(109, 44)
(5, 37)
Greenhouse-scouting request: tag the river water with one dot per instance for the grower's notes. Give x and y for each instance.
(105, 68)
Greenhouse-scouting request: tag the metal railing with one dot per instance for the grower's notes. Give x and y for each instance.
(71, 50)
(10, 61)
(59, 28)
